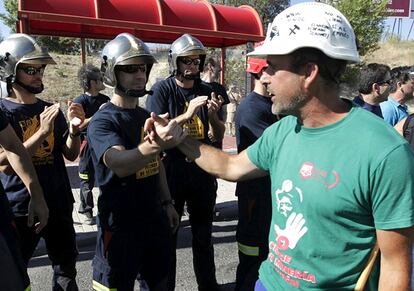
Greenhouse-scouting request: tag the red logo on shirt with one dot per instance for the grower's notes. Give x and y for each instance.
(330, 180)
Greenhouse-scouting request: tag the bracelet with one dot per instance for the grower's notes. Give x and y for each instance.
(72, 135)
(167, 202)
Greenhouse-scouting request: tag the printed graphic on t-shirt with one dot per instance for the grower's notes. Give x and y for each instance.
(43, 154)
(194, 127)
(152, 168)
(329, 179)
(288, 198)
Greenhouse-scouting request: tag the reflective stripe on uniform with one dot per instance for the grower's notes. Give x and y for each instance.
(83, 176)
(248, 250)
(99, 287)
(28, 288)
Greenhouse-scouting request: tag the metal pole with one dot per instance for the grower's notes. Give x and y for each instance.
(223, 65)
(411, 27)
(83, 51)
(393, 26)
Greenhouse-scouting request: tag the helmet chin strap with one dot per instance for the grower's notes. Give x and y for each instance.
(193, 77)
(133, 93)
(30, 89)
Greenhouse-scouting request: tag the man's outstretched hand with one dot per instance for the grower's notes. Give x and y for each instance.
(163, 132)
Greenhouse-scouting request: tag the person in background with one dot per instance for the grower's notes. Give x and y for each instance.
(195, 106)
(374, 87)
(90, 79)
(402, 89)
(234, 98)
(210, 77)
(253, 116)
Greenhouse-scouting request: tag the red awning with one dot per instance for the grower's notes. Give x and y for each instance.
(158, 21)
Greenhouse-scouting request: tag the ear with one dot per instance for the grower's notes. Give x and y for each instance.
(375, 88)
(311, 72)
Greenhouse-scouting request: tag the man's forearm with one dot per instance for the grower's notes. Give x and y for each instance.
(85, 123)
(181, 119)
(72, 147)
(217, 128)
(20, 160)
(127, 162)
(208, 158)
(31, 145)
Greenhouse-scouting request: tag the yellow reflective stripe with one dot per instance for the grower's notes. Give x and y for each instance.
(28, 288)
(248, 250)
(98, 286)
(83, 176)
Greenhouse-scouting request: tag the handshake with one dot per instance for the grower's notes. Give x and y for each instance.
(163, 132)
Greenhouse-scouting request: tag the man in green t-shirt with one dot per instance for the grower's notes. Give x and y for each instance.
(341, 179)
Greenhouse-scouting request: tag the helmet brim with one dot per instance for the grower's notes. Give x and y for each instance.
(268, 50)
(192, 53)
(38, 61)
(138, 60)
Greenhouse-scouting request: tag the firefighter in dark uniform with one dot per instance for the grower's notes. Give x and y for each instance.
(90, 79)
(14, 273)
(253, 116)
(194, 105)
(48, 138)
(136, 217)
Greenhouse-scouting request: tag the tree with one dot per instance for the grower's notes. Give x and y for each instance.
(267, 9)
(10, 17)
(367, 18)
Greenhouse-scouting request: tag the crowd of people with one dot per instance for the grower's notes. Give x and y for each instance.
(324, 184)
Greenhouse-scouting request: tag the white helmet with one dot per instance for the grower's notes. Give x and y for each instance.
(314, 25)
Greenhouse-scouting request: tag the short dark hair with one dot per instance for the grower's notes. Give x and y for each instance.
(255, 76)
(370, 74)
(400, 74)
(87, 73)
(210, 61)
(329, 69)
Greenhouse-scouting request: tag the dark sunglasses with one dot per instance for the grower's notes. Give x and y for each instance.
(31, 71)
(188, 61)
(132, 69)
(388, 82)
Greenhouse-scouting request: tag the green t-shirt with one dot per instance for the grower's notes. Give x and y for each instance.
(332, 187)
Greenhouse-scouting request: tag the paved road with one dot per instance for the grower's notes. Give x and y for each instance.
(223, 237)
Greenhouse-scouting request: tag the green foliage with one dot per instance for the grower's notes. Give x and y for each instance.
(267, 9)
(235, 68)
(10, 17)
(62, 45)
(367, 19)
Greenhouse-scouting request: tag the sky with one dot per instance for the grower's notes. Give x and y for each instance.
(406, 23)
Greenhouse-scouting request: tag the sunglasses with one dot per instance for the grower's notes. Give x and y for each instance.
(188, 61)
(132, 69)
(31, 71)
(388, 82)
